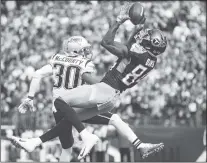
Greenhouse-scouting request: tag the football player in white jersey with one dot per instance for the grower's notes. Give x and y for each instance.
(67, 70)
(86, 101)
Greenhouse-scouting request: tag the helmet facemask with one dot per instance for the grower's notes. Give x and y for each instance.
(86, 52)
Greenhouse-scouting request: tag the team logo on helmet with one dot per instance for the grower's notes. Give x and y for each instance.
(75, 40)
(76, 45)
(155, 42)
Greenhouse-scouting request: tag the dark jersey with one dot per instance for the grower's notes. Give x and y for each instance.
(127, 72)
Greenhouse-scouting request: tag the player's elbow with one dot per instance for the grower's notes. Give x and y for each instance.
(103, 43)
(37, 74)
(106, 42)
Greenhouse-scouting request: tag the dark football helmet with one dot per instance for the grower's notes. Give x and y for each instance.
(153, 40)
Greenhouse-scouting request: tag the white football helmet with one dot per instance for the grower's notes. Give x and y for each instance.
(77, 45)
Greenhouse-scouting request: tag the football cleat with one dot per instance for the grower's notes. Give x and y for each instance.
(13, 140)
(149, 149)
(27, 144)
(88, 145)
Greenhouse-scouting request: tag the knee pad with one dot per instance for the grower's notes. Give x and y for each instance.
(60, 105)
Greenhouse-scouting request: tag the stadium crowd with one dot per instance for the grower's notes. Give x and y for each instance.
(173, 94)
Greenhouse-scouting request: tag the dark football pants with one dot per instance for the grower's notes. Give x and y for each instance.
(66, 136)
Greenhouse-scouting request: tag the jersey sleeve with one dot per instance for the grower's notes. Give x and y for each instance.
(52, 59)
(89, 67)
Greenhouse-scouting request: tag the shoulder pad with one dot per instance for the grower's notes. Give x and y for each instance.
(54, 56)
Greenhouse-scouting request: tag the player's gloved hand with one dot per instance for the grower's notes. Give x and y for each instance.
(140, 26)
(124, 13)
(26, 105)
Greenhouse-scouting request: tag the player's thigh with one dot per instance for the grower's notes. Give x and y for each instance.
(83, 113)
(105, 96)
(99, 95)
(102, 93)
(89, 94)
(102, 119)
(79, 97)
(86, 113)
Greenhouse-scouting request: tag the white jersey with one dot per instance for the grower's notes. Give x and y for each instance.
(68, 71)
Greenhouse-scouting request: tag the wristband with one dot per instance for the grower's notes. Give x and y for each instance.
(119, 22)
(30, 97)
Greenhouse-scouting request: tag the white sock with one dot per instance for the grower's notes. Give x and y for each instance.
(137, 143)
(37, 141)
(84, 134)
(122, 128)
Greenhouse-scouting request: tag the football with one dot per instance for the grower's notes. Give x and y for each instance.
(136, 13)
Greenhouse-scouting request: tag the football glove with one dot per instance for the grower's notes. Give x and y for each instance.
(139, 27)
(26, 105)
(124, 13)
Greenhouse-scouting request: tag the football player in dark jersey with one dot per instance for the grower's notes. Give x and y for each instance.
(135, 60)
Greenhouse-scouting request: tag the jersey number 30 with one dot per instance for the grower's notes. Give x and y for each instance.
(68, 77)
(134, 75)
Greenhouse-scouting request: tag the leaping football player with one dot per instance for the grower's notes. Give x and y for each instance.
(136, 59)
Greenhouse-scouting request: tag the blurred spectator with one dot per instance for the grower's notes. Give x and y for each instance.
(123, 144)
(173, 94)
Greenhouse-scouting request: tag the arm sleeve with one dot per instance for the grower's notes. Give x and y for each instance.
(43, 72)
(36, 80)
(116, 48)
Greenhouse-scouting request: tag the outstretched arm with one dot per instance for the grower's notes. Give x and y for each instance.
(27, 104)
(116, 48)
(135, 31)
(37, 77)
